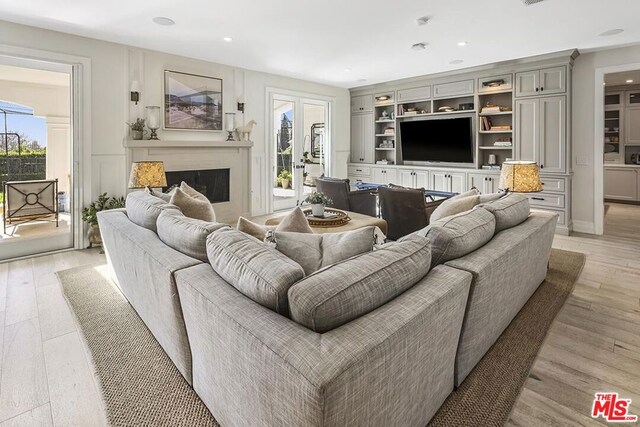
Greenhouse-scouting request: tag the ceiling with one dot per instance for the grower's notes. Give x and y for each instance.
(620, 79)
(31, 75)
(320, 40)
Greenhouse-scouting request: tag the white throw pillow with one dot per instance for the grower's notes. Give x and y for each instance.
(192, 207)
(453, 206)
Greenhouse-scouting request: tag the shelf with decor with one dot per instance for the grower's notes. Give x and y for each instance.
(385, 127)
(414, 109)
(496, 148)
(495, 127)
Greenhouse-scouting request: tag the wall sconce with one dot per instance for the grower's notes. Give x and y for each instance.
(241, 105)
(135, 91)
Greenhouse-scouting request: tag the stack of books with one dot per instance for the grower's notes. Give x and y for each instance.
(389, 130)
(491, 109)
(486, 123)
(501, 127)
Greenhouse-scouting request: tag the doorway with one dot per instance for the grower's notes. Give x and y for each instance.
(300, 146)
(36, 157)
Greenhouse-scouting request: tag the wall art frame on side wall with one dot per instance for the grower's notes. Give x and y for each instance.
(192, 102)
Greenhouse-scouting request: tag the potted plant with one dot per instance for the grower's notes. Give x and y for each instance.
(318, 201)
(137, 129)
(285, 178)
(90, 215)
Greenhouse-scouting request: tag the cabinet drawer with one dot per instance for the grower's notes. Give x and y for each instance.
(354, 179)
(453, 89)
(413, 94)
(359, 170)
(546, 200)
(553, 184)
(562, 216)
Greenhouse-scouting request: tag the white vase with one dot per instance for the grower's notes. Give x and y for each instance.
(317, 209)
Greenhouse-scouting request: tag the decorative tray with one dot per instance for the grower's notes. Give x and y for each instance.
(333, 218)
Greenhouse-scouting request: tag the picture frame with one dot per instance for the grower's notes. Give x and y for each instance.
(192, 102)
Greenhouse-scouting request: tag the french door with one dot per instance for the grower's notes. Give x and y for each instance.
(300, 141)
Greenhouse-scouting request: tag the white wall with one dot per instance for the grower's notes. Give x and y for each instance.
(114, 66)
(583, 128)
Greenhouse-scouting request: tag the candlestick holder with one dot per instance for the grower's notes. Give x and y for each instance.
(153, 121)
(230, 119)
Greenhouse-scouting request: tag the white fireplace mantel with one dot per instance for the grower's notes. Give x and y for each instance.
(199, 155)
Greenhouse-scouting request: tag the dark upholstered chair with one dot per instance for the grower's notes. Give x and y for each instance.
(339, 190)
(405, 210)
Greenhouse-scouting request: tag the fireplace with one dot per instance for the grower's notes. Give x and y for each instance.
(213, 183)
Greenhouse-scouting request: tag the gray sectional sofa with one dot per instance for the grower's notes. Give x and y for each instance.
(392, 359)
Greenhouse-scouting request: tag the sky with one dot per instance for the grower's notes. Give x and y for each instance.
(32, 127)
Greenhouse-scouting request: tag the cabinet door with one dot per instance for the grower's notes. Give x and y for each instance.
(368, 141)
(620, 184)
(362, 104)
(356, 104)
(414, 94)
(476, 180)
(633, 97)
(553, 133)
(491, 185)
(457, 182)
(439, 181)
(421, 179)
(391, 175)
(527, 129)
(527, 83)
(447, 90)
(357, 139)
(377, 176)
(553, 80)
(632, 124)
(405, 178)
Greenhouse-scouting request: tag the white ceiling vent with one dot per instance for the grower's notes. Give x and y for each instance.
(530, 2)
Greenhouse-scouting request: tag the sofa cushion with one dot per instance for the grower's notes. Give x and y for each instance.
(453, 206)
(473, 192)
(458, 235)
(316, 251)
(349, 289)
(509, 211)
(295, 221)
(166, 197)
(193, 192)
(254, 268)
(186, 235)
(491, 197)
(193, 207)
(143, 209)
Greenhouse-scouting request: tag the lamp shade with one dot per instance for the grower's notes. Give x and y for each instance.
(520, 177)
(147, 174)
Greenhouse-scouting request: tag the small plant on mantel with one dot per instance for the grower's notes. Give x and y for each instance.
(318, 201)
(137, 129)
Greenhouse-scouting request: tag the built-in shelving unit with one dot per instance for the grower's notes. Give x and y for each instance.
(384, 105)
(495, 109)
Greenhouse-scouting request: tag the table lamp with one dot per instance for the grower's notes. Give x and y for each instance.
(520, 177)
(147, 174)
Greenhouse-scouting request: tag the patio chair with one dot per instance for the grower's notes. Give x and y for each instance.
(26, 201)
(338, 190)
(405, 210)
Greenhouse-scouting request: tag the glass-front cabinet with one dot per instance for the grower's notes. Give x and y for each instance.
(614, 99)
(633, 97)
(613, 127)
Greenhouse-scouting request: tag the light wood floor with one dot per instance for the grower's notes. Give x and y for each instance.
(594, 345)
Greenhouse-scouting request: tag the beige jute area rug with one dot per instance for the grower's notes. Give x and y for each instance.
(141, 387)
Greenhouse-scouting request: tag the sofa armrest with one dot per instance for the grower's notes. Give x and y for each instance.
(363, 202)
(254, 366)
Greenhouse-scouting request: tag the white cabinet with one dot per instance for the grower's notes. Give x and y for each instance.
(362, 139)
(414, 94)
(546, 81)
(413, 178)
(362, 104)
(453, 182)
(633, 97)
(620, 183)
(632, 122)
(449, 90)
(384, 175)
(485, 183)
(541, 132)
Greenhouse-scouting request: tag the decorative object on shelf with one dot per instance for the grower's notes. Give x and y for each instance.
(446, 109)
(318, 201)
(466, 106)
(385, 115)
(331, 218)
(388, 143)
(389, 130)
(492, 159)
(384, 162)
(243, 133)
(493, 83)
(192, 102)
(520, 177)
(147, 174)
(135, 92)
(137, 129)
(153, 121)
(229, 119)
(90, 215)
(490, 108)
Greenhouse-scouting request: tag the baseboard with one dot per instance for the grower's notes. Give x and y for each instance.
(584, 227)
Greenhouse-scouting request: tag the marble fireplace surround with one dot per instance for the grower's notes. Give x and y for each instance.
(195, 155)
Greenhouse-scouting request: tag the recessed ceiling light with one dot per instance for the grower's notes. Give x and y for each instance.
(629, 81)
(462, 43)
(419, 46)
(611, 32)
(456, 61)
(161, 20)
(227, 39)
(422, 20)
(347, 70)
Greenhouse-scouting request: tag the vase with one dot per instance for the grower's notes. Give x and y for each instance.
(285, 183)
(136, 134)
(94, 236)
(317, 209)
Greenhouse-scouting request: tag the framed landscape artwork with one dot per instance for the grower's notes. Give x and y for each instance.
(192, 102)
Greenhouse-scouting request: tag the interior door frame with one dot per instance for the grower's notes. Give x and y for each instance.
(299, 99)
(80, 70)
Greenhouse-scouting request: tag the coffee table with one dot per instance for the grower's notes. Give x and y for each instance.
(357, 221)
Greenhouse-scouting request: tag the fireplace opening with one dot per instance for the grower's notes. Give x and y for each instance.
(213, 183)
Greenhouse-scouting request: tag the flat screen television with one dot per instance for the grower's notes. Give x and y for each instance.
(438, 140)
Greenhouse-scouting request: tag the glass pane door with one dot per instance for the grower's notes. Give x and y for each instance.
(286, 181)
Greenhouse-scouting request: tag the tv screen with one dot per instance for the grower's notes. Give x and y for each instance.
(438, 140)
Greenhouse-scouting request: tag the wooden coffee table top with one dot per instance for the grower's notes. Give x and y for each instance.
(357, 221)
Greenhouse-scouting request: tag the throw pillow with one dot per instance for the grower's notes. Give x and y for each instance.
(352, 288)
(258, 231)
(473, 192)
(316, 251)
(193, 192)
(509, 211)
(453, 206)
(186, 235)
(159, 194)
(491, 197)
(295, 221)
(192, 207)
(254, 268)
(143, 209)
